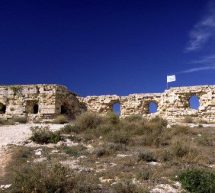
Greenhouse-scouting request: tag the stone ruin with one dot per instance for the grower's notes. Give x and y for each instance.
(44, 102)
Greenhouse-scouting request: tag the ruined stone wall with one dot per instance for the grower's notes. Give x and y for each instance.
(41, 102)
(67, 103)
(35, 102)
(173, 104)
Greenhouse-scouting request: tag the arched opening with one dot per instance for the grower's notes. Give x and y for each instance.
(116, 108)
(32, 107)
(2, 108)
(63, 110)
(152, 107)
(194, 102)
(35, 108)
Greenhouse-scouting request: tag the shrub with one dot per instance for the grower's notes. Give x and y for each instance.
(102, 152)
(42, 178)
(67, 129)
(113, 147)
(146, 156)
(166, 155)
(6, 121)
(180, 150)
(112, 118)
(88, 120)
(127, 187)
(43, 135)
(20, 119)
(134, 118)
(75, 151)
(180, 130)
(154, 133)
(145, 174)
(61, 119)
(19, 156)
(158, 121)
(198, 180)
(119, 136)
(103, 129)
(206, 140)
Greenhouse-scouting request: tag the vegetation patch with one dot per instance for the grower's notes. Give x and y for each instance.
(75, 151)
(43, 135)
(112, 155)
(147, 156)
(198, 180)
(61, 119)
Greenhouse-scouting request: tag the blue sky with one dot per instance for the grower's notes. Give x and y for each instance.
(107, 47)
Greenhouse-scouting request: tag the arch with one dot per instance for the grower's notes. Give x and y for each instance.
(194, 102)
(152, 107)
(32, 107)
(2, 108)
(35, 108)
(116, 108)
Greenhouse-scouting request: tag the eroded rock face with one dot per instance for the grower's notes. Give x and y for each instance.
(41, 102)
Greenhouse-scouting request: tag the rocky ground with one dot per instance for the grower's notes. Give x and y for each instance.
(133, 157)
(15, 135)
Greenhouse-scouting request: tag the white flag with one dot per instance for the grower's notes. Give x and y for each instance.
(171, 78)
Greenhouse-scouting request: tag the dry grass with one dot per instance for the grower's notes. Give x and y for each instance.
(122, 150)
(61, 119)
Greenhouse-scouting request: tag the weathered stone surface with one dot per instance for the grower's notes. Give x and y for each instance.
(38, 102)
(173, 104)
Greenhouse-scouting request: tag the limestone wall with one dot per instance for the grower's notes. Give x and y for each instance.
(41, 102)
(173, 104)
(36, 102)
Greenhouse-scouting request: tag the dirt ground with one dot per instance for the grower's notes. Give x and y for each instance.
(16, 135)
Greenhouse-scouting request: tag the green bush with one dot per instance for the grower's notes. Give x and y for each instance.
(198, 180)
(43, 135)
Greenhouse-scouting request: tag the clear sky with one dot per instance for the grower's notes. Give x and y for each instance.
(107, 46)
